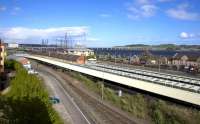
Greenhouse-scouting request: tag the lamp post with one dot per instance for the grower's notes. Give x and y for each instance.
(102, 85)
(159, 64)
(115, 56)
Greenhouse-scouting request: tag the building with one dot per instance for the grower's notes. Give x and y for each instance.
(162, 60)
(13, 45)
(25, 62)
(75, 59)
(135, 60)
(80, 51)
(2, 55)
(147, 57)
(186, 60)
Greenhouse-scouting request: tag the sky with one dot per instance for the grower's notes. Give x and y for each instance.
(102, 23)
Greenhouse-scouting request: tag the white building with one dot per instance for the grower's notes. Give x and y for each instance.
(13, 45)
(80, 51)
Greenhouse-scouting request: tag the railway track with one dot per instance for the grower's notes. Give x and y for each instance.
(107, 115)
(149, 77)
(103, 113)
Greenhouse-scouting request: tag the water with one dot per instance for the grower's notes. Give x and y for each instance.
(126, 52)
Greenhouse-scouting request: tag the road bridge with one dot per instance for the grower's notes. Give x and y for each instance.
(177, 87)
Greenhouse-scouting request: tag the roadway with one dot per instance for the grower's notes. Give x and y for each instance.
(67, 108)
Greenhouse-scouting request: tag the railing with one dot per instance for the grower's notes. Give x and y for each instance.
(169, 89)
(139, 75)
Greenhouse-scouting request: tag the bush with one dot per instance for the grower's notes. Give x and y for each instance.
(9, 64)
(158, 117)
(27, 101)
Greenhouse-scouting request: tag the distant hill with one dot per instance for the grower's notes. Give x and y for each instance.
(137, 45)
(162, 47)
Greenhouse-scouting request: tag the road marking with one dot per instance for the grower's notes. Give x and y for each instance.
(73, 102)
(54, 92)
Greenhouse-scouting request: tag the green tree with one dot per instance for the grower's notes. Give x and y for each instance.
(27, 101)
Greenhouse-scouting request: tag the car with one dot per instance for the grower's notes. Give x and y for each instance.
(31, 71)
(54, 99)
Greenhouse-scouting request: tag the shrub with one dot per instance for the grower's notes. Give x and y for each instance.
(27, 101)
(159, 111)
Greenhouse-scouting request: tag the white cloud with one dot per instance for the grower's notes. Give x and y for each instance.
(35, 34)
(181, 12)
(185, 35)
(3, 8)
(141, 9)
(104, 15)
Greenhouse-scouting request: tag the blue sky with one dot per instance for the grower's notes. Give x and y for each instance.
(105, 22)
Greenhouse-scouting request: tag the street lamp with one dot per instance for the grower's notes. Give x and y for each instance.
(159, 63)
(115, 56)
(102, 84)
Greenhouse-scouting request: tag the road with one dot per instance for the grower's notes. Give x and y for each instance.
(68, 109)
(90, 110)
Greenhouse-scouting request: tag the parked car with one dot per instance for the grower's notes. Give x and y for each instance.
(31, 71)
(54, 99)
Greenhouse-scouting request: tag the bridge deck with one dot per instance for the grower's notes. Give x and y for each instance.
(147, 83)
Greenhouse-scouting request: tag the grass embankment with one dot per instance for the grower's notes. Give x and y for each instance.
(27, 102)
(156, 111)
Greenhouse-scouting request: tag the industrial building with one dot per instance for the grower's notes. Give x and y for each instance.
(13, 45)
(76, 59)
(80, 51)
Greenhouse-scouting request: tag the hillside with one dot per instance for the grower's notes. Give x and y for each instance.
(162, 47)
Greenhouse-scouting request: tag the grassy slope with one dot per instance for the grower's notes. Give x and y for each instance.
(157, 111)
